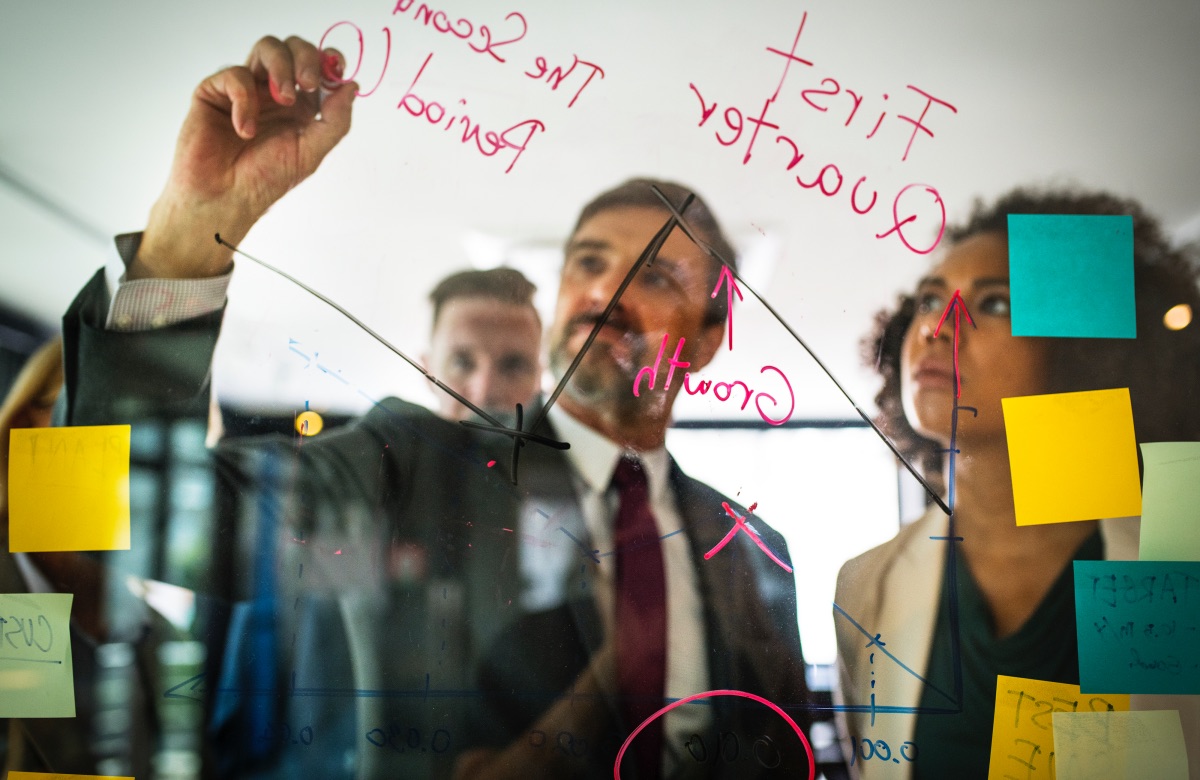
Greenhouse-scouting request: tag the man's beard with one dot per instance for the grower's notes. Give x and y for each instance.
(606, 372)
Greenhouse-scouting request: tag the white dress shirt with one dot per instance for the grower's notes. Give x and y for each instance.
(594, 459)
(145, 304)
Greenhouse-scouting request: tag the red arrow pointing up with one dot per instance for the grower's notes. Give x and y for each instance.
(956, 303)
(730, 291)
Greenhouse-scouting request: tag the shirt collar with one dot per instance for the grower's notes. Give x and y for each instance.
(595, 457)
(126, 247)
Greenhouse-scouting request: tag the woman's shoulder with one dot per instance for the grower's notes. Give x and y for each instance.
(875, 562)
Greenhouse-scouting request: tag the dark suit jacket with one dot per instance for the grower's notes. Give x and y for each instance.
(389, 547)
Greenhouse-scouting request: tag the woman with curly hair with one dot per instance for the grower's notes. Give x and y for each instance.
(1013, 584)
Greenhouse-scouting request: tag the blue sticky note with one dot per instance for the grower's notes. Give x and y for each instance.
(1138, 623)
(1071, 275)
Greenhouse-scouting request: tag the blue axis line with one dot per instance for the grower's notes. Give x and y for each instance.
(596, 555)
(904, 666)
(429, 692)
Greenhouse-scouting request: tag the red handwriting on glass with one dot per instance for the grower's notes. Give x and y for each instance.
(465, 29)
(918, 199)
(650, 374)
(479, 40)
(487, 144)
(739, 524)
(704, 384)
(513, 140)
(556, 76)
(731, 289)
(673, 363)
(960, 308)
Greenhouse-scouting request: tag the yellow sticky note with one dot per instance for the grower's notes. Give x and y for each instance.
(55, 775)
(1120, 745)
(68, 489)
(36, 679)
(1073, 456)
(1022, 730)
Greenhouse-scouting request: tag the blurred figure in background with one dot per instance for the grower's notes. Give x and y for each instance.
(485, 342)
(33, 393)
(28, 405)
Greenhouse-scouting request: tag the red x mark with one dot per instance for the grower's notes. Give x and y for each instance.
(740, 525)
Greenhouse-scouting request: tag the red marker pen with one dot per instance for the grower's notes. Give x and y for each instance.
(331, 76)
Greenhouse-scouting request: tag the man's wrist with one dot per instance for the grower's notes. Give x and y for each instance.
(180, 242)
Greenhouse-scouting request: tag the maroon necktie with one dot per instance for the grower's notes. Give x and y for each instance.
(641, 616)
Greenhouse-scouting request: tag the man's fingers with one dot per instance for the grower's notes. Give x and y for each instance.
(271, 60)
(234, 91)
(333, 69)
(306, 61)
(284, 65)
(321, 136)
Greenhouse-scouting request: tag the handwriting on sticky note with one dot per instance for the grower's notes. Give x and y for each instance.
(1170, 495)
(1138, 623)
(1120, 746)
(1022, 731)
(69, 489)
(36, 678)
(1071, 275)
(1073, 456)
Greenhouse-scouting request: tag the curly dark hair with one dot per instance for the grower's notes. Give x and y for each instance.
(1161, 367)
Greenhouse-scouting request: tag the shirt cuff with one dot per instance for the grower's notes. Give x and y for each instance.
(145, 304)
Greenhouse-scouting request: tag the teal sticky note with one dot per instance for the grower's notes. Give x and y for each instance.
(1071, 275)
(1170, 495)
(1138, 623)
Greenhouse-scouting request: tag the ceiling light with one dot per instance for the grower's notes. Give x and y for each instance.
(1178, 317)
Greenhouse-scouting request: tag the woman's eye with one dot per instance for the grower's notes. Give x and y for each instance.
(929, 303)
(995, 305)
